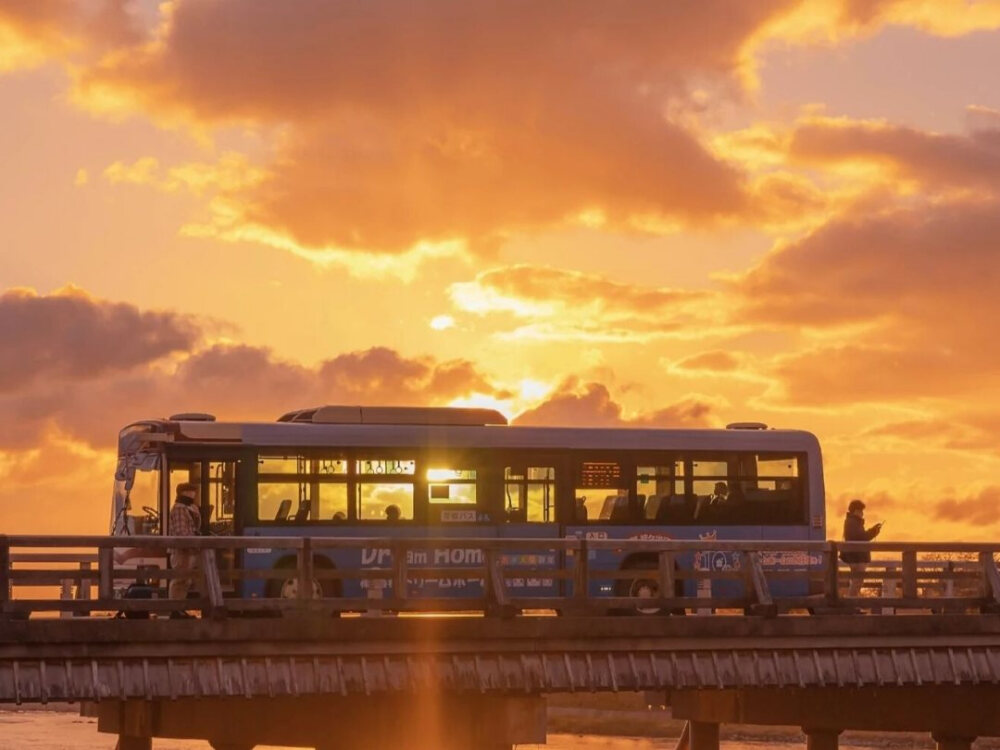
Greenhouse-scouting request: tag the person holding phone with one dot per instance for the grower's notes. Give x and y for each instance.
(855, 531)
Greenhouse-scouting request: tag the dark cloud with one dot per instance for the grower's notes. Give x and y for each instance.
(71, 335)
(235, 383)
(934, 159)
(982, 509)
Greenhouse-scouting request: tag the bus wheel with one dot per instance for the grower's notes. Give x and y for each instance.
(644, 586)
(288, 588)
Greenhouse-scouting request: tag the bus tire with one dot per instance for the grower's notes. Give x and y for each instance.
(288, 588)
(648, 586)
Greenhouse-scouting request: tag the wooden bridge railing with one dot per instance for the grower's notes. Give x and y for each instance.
(498, 576)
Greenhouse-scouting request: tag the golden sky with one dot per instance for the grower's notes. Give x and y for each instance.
(639, 212)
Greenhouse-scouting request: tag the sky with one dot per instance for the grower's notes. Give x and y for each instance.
(640, 212)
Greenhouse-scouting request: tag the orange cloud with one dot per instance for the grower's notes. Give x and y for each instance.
(591, 405)
(714, 361)
(979, 509)
(933, 159)
(564, 304)
(35, 31)
(901, 305)
(437, 122)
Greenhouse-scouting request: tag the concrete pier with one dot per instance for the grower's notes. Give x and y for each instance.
(704, 736)
(950, 742)
(415, 722)
(822, 739)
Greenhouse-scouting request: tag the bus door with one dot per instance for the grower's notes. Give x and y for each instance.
(529, 512)
(214, 474)
(781, 494)
(453, 503)
(601, 508)
(721, 510)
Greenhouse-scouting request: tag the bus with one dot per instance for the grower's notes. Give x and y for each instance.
(392, 472)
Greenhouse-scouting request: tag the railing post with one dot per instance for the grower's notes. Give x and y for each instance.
(496, 595)
(213, 586)
(991, 581)
(949, 582)
(305, 570)
(5, 588)
(399, 572)
(581, 575)
(666, 565)
(757, 586)
(831, 574)
(909, 574)
(105, 572)
(83, 587)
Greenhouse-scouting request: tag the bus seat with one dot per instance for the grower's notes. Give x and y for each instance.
(283, 508)
(302, 514)
(619, 508)
(674, 509)
(608, 508)
(652, 507)
(517, 515)
(637, 509)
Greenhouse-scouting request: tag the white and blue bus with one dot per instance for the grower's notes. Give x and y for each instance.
(384, 472)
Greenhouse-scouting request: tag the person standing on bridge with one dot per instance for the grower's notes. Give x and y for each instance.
(855, 531)
(185, 520)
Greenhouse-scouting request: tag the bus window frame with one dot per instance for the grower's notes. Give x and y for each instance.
(206, 454)
(534, 459)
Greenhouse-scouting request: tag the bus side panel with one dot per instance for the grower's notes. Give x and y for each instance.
(789, 562)
(613, 560)
(379, 557)
(531, 585)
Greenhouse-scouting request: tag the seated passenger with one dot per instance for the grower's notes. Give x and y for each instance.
(339, 516)
(392, 513)
(710, 505)
(720, 495)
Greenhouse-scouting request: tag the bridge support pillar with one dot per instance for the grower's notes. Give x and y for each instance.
(447, 721)
(822, 739)
(704, 736)
(948, 742)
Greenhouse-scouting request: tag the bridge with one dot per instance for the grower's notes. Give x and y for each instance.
(473, 672)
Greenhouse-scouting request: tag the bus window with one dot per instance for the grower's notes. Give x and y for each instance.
(748, 488)
(142, 516)
(301, 489)
(221, 501)
(451, 486)
(660, 493)
(385, 489)
(774, 493)
(600, 492)
(530, 493)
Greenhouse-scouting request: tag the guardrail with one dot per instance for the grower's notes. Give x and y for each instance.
(912, 576)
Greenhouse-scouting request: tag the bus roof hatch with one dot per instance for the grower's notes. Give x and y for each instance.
(396, 415)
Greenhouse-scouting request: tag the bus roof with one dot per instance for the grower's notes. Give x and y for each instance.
(337, 435)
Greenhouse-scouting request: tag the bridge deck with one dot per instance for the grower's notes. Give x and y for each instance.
(59, 660)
